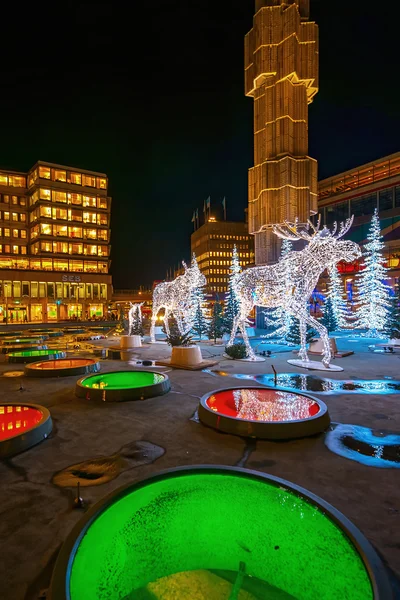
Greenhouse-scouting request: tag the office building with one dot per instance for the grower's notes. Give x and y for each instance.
(54, 244)
(213, 245)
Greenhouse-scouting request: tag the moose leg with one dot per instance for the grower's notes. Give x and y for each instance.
(303, 338)
(323, 332)
(153, 324)
(242, 327)
(234, 330)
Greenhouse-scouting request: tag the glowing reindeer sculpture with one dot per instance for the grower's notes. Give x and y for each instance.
(178, 297)
(290, 282)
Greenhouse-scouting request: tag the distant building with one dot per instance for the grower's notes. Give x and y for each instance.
(213, 244)
(358, 192)
(54, 244)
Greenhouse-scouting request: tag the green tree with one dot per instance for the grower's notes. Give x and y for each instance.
(137, 325)
(329, 318)
(232, 305)
(392, 329)
(200, 324)
(293, 335)
(216, 327)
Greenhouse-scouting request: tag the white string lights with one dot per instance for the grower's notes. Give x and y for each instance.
(178, 298)
(270, 287)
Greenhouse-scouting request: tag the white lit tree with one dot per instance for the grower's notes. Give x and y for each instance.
(335, 294)
(372, 300)
(279, 318)
(200, 322)
(232, 305)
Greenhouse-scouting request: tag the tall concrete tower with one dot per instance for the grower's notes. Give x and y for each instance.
(281, 74)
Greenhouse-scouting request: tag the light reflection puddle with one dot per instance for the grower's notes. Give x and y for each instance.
(321, 385)
(361, 444)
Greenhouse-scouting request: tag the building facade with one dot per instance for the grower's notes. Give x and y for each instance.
(213, 245)
(358, 192)
(281, 75)
(54, 244)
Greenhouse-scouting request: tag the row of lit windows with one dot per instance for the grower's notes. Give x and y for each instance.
(5, 216)
(15, 200)
(70, 214)
(216, 280)
(216, 236)
(56, 290)
(71, 232)
(12, 180)
(240, 254)
(219, 289)
(68, 198)
(66, 248)
(238, 246)
(7, 232)
(50, 264)
(55, 174)
(12, 249)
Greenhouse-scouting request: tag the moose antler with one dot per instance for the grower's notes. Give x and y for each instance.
(290, 231)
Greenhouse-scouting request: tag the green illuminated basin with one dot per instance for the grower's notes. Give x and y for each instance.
(28, 356)
(214, 518)
(22, 348)
(119, 386)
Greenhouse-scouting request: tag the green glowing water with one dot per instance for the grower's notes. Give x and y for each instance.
(122, 380)
(34, 353)
(213, 521)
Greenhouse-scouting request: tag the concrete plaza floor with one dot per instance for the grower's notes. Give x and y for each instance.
(37, 514)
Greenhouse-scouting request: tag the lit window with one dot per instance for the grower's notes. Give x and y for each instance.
(75, 232)
(89, 180)
(15, 249)
(46, 229)
(60, 175)
(90, 234)
(59, 196)
(15, 216)
(74, 199)
(3, 179)
(23, 249)
(76, 248)
(22, 201)
(23, 233)
(89, 201)
(6, 216)
(17, 180)
(44, 194)
(6, 232)
(15, 232)
(44, 172)
(101, 183)
(76, 178)
(14, 199)
(45, 211)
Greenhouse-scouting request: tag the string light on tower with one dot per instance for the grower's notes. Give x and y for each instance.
(269, 287)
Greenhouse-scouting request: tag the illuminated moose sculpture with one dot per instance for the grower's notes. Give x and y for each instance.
(290, 282)
(177, 297)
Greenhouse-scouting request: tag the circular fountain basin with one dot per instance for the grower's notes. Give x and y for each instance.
(48, 332)
(22, 347)
(196, 519)
(11, 333)
(74, 330)
(30, 356)
(62, 367)
(264, 413)
(22, 426)
(24, 340)
(119, 386)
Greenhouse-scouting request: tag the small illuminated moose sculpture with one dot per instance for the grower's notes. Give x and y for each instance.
(178, 297)
(290, 282)
(132, 313)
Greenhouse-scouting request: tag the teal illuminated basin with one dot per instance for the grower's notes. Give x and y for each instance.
(195, 528)
(119, 386)
(24, 340)
(28, 356)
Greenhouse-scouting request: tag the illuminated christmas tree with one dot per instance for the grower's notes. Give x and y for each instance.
(279, 318)
(335, 294)
(329, 318)
(216, 327)
(373, 294)
(392, 329)
(200, 322)
(231, 300)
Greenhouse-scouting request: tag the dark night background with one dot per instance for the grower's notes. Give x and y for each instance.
(153, 96)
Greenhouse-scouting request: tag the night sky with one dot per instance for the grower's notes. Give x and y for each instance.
(153, 96)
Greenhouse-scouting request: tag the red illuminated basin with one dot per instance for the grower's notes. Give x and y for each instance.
(62, 367)
(264, 412)
(22, 426)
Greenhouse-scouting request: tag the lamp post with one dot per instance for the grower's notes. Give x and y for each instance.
(6, 298)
